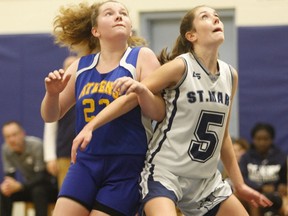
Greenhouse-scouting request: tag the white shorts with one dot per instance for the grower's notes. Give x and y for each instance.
(192, 196)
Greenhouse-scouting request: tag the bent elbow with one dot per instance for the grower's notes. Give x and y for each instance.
(156, 115)
(160, 116)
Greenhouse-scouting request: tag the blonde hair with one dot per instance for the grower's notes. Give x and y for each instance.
(73, 24)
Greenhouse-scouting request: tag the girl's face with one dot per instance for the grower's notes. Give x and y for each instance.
(262, 141)
(113, 20)
(208, 28)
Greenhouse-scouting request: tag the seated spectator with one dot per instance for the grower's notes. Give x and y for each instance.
(24, 154)
(240, 147)
(264, 168)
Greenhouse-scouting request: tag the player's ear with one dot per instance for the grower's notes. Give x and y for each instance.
(95, 32)
(191, 36)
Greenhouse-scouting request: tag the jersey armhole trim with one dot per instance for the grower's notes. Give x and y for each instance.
(232, 74)
(183, 76)
(93, 64)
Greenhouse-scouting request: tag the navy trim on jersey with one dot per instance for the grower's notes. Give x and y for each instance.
(78, 201)
(169, 125)
(101, 207)
(183, 77)
(185, 73)
(156, 189)
(232, 77)
(158, 123)
(204, 69)
(214, 210)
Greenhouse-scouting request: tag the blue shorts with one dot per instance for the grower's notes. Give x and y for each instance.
(106, 183)
(156, 189)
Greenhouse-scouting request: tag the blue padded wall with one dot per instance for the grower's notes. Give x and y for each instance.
(25, 60)
(263, 80)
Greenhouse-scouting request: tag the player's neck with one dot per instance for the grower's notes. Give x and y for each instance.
(109, 59)
(208, 58)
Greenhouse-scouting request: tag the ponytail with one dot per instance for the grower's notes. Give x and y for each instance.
(181, 46)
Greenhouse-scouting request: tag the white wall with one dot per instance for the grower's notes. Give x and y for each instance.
(36, 16)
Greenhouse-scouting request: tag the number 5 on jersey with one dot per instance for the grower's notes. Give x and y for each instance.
(203, 148)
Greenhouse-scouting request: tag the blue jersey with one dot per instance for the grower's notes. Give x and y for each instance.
(128, 134)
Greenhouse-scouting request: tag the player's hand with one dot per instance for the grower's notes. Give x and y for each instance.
(56, 81)
(252, 196)
(126, 85)
(81, 141)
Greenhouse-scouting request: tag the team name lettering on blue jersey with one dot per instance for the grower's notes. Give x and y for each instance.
(96, 87)
(209, 96)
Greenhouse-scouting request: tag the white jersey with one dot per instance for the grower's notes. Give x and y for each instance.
(188, 141)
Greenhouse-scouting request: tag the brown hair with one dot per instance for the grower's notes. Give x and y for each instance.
(73, 24)
(182, 45)
(242, 143)
(12, 122)
(263, 126)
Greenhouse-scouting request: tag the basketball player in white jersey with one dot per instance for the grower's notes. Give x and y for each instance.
(198, 88)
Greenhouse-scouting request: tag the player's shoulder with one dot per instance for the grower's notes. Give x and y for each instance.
(147, 58)
(229, 67)
(234, 74)
(232, 69)
(178, 65)
(146, 52)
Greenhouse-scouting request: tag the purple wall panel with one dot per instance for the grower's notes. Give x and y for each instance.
(24, 62)
(263, 80)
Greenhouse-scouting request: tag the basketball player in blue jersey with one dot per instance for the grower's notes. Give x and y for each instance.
(198, 88)
(103, 178)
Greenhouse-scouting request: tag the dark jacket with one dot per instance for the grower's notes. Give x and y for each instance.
(258, 170)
